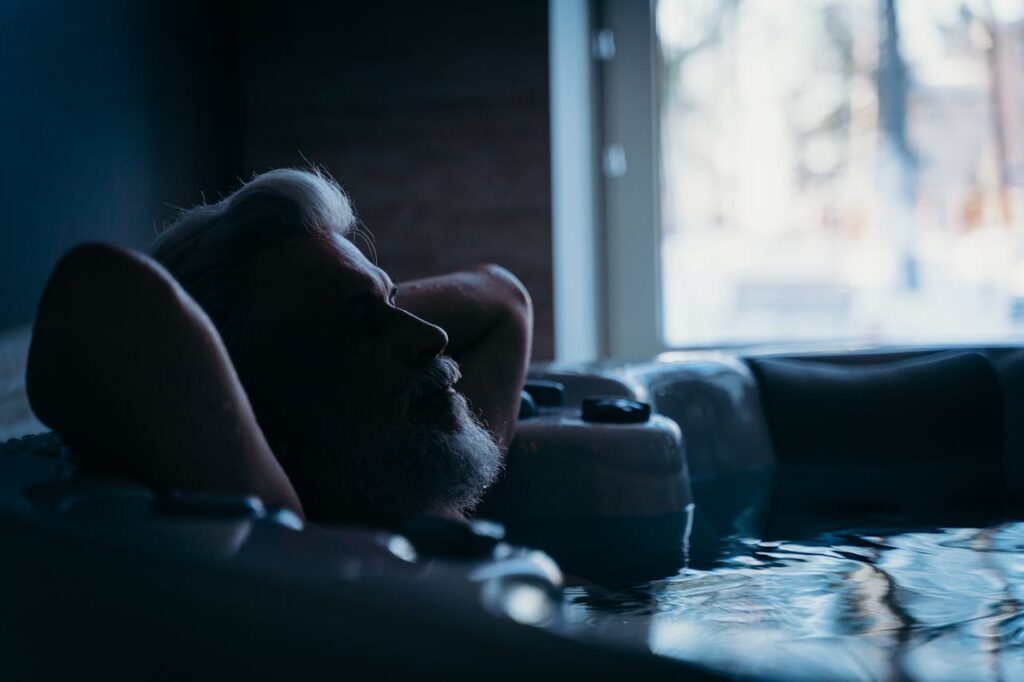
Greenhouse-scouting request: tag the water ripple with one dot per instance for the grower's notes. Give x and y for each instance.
(940, 604)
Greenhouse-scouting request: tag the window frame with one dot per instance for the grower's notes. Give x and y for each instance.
(606, 179)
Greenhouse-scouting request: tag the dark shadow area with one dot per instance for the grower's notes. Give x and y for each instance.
(434, 117)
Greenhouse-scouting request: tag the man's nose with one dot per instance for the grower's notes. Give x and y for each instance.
(422, 341)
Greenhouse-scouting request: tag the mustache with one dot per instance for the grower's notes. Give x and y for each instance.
(438, 375)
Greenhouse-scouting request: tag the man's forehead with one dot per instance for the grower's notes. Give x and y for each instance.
(332, 268)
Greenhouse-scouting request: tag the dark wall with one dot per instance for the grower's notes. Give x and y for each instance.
(434, 117)
(109, 114)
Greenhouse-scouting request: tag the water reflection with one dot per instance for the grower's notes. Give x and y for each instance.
(932, 604)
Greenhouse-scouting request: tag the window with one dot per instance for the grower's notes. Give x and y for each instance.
(840, 170)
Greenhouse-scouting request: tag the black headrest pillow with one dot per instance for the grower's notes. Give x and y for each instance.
(940, 406)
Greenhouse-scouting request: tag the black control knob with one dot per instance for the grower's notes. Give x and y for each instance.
(527, 406)
(546, 393)
(615, 410)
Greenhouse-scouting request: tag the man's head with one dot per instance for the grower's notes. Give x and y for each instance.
(353, 393)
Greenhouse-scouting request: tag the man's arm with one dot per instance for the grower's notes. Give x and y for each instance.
(127, 368)
(488, 316)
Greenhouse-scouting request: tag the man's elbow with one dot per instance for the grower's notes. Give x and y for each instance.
(509, 292)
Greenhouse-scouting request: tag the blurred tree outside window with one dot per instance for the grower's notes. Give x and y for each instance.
(842, 170)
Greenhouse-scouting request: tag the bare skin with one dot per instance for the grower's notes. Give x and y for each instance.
(333, 335)
(128, 369)
(131, 373)
(489, 318)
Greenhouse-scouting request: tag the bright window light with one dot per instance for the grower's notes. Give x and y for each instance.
(842, 170)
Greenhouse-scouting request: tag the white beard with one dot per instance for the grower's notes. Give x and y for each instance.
(453, 468)
(407, 464)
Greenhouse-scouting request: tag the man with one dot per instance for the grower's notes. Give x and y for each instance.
(348, 383)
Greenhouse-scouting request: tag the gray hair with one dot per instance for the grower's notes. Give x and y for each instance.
(209, 247)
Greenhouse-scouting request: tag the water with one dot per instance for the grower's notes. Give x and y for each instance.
(878, 597)
(939, 604)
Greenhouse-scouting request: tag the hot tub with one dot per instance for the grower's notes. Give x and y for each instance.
(855, 516)
(765, 527)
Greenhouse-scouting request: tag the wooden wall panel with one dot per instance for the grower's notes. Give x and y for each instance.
(433, 116)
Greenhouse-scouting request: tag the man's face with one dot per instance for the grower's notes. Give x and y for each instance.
(355, 393)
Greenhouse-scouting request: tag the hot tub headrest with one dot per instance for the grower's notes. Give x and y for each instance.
(941, 406)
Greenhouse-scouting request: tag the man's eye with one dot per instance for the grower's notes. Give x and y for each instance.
(393, 296)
